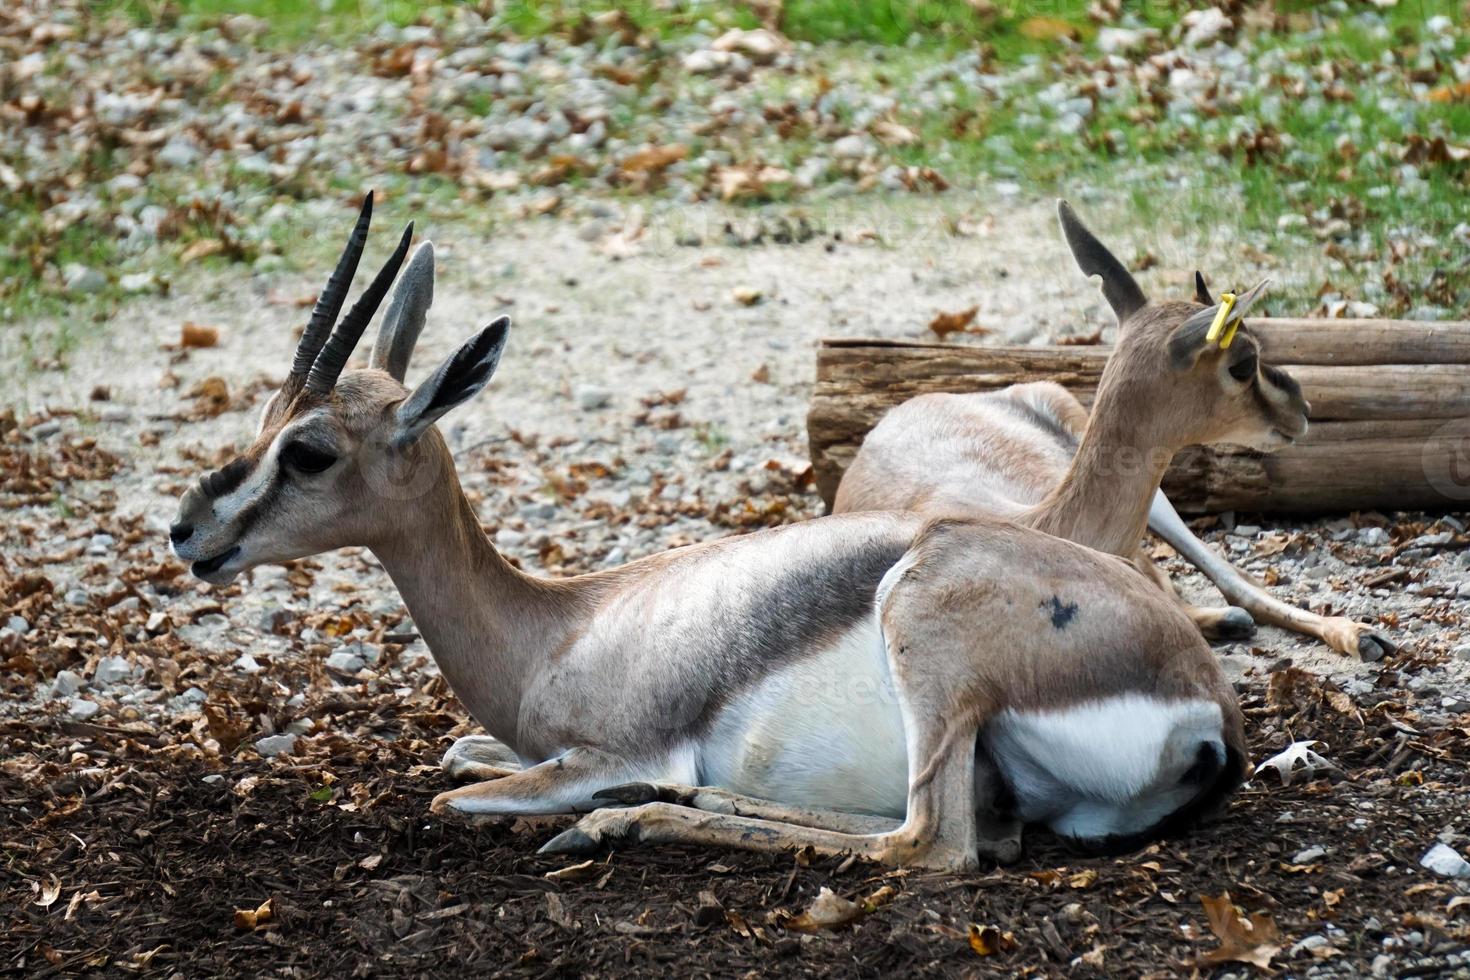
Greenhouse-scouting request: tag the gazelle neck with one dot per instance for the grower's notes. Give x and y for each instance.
(489, 627)
(1103, 501)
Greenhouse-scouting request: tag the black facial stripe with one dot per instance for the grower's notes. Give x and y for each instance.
(1282, 380)
(227, 478)
(252, 511)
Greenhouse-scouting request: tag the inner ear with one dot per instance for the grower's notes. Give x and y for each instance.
(1187, 342)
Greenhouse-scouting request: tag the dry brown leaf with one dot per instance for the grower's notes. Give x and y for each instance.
(894, 134)
(1082, 879)
(211, 396)
(49, 893)
(1081, 339)
(575, 872)
(761, 375)
(1047, 29)
(198, 335)
(201, 249)
(1254, 940)
(989, 940)
(256, 917)
(655, 159)
(945, 324)
(828, 911)
(746, 295)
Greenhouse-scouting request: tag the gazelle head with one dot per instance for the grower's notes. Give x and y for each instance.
(339, 458)
(1199, 388)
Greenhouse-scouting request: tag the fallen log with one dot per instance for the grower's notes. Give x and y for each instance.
(1390, 412)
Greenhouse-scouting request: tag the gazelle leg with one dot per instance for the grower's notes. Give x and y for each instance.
(565, 784)
(940, 831)
(479, 757)
(1213, 622)
(712, 799)
(1340, 633)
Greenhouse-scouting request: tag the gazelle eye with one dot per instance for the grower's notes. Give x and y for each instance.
(303, 458)
(1244, 370)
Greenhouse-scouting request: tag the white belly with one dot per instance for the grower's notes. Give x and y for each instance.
(824, 732)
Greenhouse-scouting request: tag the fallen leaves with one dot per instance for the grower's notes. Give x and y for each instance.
(963, 321)
(1298, 758)
(211, 397)
(831, 911)
(990, 940)
(198, 335)
(1254, 939)
(263, 914)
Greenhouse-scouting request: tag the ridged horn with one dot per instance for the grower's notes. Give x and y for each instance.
(329, 303)
(338, 348)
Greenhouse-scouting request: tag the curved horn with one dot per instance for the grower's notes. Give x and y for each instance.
(329, 303)
(1094, 259)
(338, 348)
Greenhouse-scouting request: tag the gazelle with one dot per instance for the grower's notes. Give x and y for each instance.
(906, 690)
(1030, 453)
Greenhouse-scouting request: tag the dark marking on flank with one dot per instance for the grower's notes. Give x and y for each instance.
(1042, 420)
(1061, 614)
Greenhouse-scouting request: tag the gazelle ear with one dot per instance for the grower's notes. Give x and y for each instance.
(454, 382)
(406, 314)
(1093, 258)
(1201, 291)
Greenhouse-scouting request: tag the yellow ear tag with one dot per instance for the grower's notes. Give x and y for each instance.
(1227, 303)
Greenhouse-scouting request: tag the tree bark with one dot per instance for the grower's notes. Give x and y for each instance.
(1390, 412)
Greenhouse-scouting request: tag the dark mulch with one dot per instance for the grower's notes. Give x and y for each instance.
(117, 854)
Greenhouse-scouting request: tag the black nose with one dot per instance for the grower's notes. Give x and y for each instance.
(179, 533)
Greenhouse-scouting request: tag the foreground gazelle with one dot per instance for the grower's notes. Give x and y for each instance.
(820, 680)
(1031, 455)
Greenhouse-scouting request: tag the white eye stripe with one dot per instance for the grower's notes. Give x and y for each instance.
(260, 478)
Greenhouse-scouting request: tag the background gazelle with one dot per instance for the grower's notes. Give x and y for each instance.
(1032, 455)
(966, 677)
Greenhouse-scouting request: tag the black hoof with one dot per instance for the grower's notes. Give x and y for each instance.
(571, 841)
(1374, 646)
(1234, 624)
(631, 794)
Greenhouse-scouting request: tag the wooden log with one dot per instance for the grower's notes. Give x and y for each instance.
(1390, 412)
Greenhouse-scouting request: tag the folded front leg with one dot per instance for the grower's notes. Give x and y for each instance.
(565, 784)
(479, 757)
(711, 799)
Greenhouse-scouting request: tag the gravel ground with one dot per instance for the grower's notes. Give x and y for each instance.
(645, 402)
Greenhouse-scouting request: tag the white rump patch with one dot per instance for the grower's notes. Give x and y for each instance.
(1103, 767)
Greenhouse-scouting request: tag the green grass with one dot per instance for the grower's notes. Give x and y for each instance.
(1188, 169)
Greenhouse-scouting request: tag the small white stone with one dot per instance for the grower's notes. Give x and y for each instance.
(273, 745)
(82, 709)
(1445, 860)
(110, 670)
(345, 661)
(590, 398)
(18, 624)
(66, 683)
(83, 279)
(1373, 536)
(1309, 854)
(247, 663)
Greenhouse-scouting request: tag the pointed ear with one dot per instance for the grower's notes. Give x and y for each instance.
(454, 382)
(1187, 342)
(1201, 291)
(406, 314)
(1093, 258)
